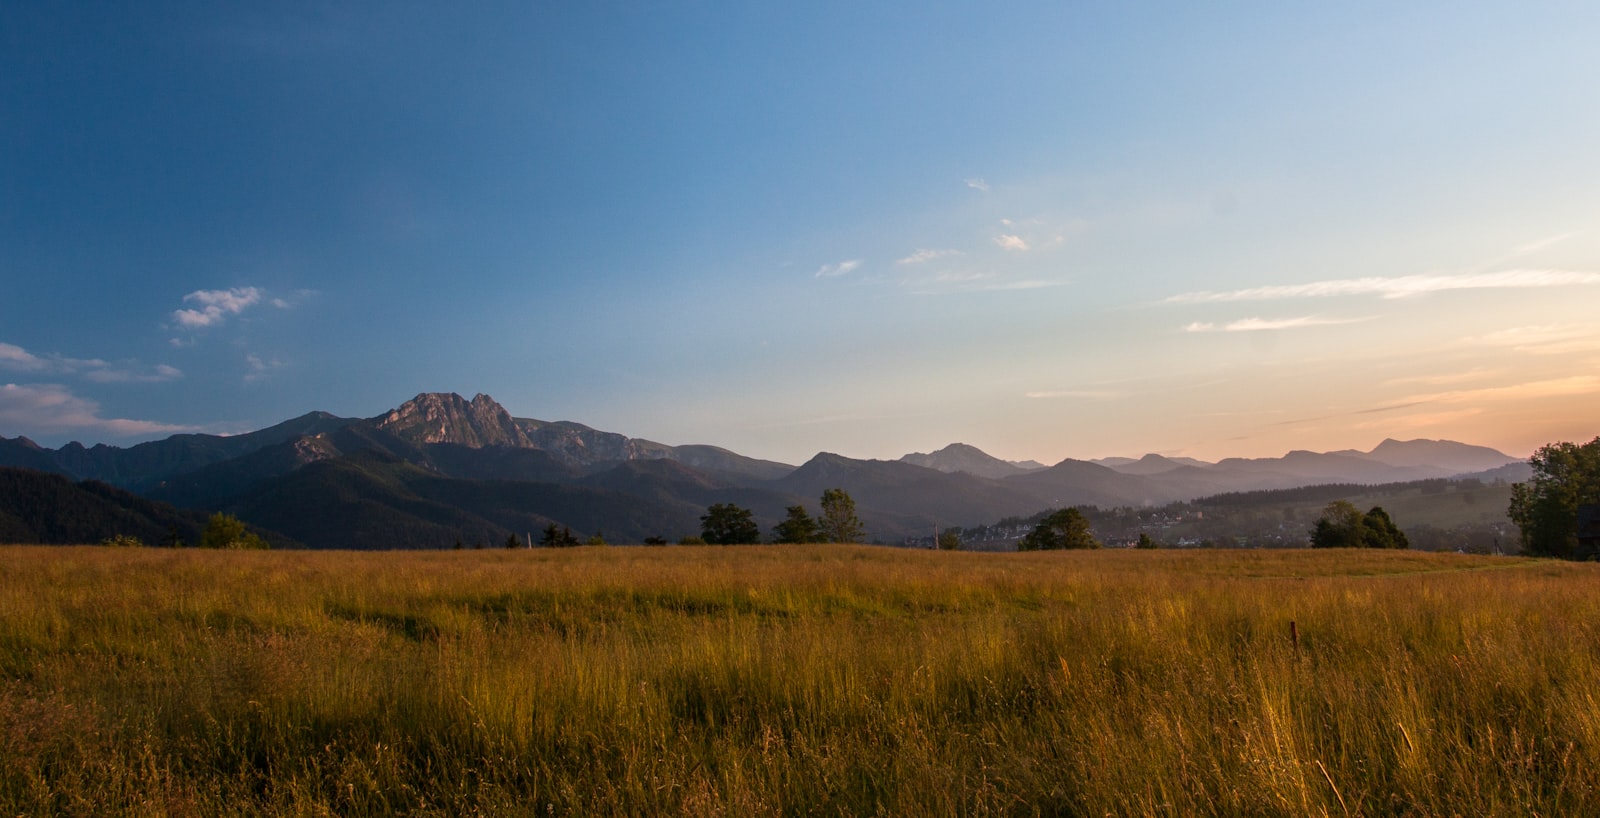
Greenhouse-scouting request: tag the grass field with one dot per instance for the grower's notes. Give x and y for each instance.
(796, 680)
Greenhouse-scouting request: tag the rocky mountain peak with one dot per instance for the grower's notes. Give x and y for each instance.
(438, 417)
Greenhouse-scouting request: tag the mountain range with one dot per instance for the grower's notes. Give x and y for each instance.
(441, 469)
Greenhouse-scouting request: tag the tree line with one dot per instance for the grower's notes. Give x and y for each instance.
(837, 522)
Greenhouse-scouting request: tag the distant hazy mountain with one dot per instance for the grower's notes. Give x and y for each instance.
(1149, 464)
(896, 498)
(960, 457)
(1079, 482)
(1448, 455)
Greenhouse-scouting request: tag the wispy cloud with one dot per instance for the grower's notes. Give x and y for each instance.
(52, 409)
(160, 374)
(1007, 241)
(1261, 324)
(1376, 410)
(1444, 378)
(1081, 394)
(923, 256)
(259, 368)
(1548, 388)
(1548, 241)
(839, 269)
(1545, 339)
(212, 307)
(978, 184)
(1395, 287)
(16, 359)
(950, 283)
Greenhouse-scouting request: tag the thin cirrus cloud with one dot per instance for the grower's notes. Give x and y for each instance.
(1395, 287)
(1079, 394)
(839, 269)
(1529, 390)
(259, 369)
(1262, 324)
(1007, 241)
(1547, 339)
(16, 359)
(52, 409)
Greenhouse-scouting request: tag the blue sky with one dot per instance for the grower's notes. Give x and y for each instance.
(1049, 229)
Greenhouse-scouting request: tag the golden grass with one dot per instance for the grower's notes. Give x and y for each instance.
(796, 680)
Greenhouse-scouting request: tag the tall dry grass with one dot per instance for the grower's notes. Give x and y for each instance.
(824, 679)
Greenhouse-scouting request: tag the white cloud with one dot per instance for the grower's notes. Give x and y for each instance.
(1396, 287)
(978, 184)
(214, 306)
(836, 270)
(17, 359)
(1260, 324)
(52, 409)
(922, 256)
(1010, 242)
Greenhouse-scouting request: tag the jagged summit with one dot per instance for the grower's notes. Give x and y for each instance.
(440, 417)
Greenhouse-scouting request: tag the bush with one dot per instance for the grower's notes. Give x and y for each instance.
(227, 531)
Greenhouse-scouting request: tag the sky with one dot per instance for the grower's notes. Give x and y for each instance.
(1050, 230)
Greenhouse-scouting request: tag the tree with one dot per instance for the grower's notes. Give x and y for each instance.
(511, 542)
(1067, 528)
(949, 539)
(1342, 525)
(1378, 531)
(1338, 527)
(728, 524)
(554, 538)
(839, 522)
(226, 531)
(797, 528)
(1145, 541)
(1565, 476)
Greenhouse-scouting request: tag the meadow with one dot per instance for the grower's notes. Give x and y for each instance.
(796, 680)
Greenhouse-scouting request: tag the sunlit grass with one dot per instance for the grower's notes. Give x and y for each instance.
(819, 679)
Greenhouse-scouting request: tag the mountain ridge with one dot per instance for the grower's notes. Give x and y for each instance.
(437, 461)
